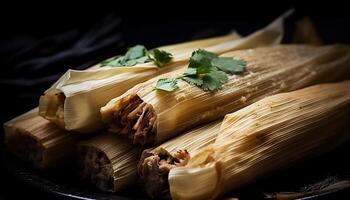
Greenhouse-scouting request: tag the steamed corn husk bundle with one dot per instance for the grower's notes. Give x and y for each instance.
(110, 163)
(39, 142)
(265, 137)
(147, 116)
(73, 102)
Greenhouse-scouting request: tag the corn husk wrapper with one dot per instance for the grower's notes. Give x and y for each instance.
(269, 70)
(110, 163)
(265, 137)
(193, 140)
(39, 142)
(87, 91)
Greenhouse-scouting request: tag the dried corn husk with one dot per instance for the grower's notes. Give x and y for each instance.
(84, 92)
(270, 70)
(265, 137)
(39, 142)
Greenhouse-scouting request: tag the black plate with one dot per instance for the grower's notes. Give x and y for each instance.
(58, 182)
(63, 183)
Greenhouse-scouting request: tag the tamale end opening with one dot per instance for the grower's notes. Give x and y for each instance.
(154, 169)
(51, 107)
(96, 168)
(135, 119)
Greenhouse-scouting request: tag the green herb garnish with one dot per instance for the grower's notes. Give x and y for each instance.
(138, 55)
(160, 57)
(207, 71)
(166, 84)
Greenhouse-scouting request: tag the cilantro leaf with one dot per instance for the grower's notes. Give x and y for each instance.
(203, 73)
(214, 80)
(208, 78)
(160, 57)
(113, 62)
(130, 63)
(205, 70)
(193, 80)
(201, 58)
(135, 52)
(229, 65)
(105, 62)
(166, 84)
(190, 72)
(137, 55)
(143, 59)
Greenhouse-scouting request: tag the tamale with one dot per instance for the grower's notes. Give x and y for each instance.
(148, 116)
(74, 101)
(88, 90)
(265, 137)
(39, 142)
(110, 163)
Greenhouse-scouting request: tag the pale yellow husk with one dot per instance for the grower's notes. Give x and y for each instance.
(193, 140)
(86, 91)
(267, 136)
(39, 142)
(269, 70)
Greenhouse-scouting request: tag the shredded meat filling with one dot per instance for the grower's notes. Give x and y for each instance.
(135, 119)
(96, 168)
(60, 106)
(154, 170)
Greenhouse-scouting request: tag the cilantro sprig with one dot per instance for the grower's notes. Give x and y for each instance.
(167, 84)
(205, 70)
(137, 55)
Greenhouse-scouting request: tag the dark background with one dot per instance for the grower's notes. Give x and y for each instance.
(39, 44)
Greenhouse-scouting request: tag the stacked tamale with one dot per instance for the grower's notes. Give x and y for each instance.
(42, 136)
(73, 102)
(192, 143)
